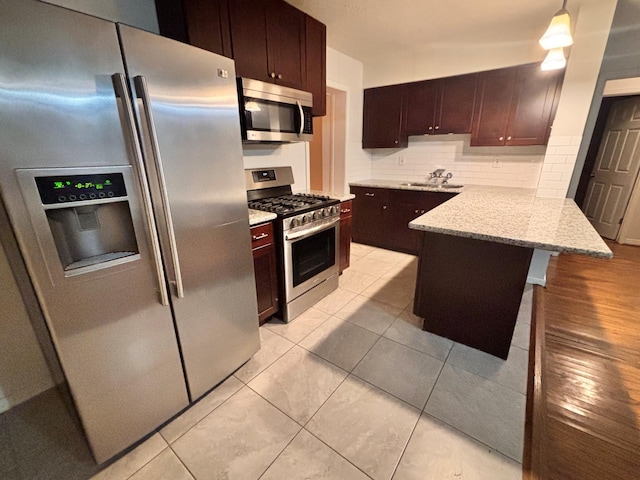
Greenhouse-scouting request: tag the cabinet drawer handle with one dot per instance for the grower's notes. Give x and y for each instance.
(260, 237)
(369, 194)
(346, 210)
(509, 138)
(501, 138)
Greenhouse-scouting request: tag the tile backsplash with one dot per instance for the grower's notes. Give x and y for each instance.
(498, 166)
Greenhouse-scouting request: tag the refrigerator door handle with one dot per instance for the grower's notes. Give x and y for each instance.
(142, 92)
(120, 87)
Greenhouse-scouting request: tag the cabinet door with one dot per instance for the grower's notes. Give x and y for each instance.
(369, 222)
(208, 25)
(264, 264)
(382, 122)
(316, 58)
(491, 114)
(400, 236)
(286, 44)
(531, 112)
(248, 21)
(345, 242)
(419, 107)
(456, 100)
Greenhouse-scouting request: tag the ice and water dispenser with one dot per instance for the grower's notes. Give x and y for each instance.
(88, 216)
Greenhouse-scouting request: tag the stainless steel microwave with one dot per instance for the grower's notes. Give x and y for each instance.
(272, 113)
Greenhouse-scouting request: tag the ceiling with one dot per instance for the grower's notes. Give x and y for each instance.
(392, 34)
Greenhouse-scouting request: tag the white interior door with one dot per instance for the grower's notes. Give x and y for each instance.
(616, 168)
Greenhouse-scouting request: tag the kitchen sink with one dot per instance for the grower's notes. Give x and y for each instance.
(425, 184)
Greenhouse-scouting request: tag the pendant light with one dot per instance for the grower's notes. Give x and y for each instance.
(555, 60)
(559, 32)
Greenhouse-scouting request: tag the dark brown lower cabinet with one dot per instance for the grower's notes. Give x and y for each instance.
(265, 266)
(381, 216)
(345, 234)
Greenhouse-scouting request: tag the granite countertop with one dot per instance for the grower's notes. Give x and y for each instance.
(343, 197)
(398, 185)
(515, 216)
(258, 216)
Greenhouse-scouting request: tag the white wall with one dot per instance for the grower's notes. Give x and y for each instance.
(499, 166)
(23, 371)
(295, 155)
(137, 13)
(345, 73)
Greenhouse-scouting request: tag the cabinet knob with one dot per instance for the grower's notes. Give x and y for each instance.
(437, 127)
(384, 207)
(509, 137)
(395, 141)
(279, 76)
(423, 211)
(272, 74)
(430, 128)
(417, 211)
(501, 138)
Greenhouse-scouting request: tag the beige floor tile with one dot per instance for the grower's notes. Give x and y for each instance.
(403, 330)
(201, 409)
(370, 266)
(389, 256)
(238, 440)
(165, 466)
(134, 460)
(272, 347)
(300, 326)
(335, 301)
(401, 371)
(367, 426)
(341, 343)
(407, 273)
(355, 281)
(394, 292)
(370, 314)
(360, 249)
(510, 373)
(307, 458)
(483, 409)
(437, 452)
(298, 383)
(521, 335)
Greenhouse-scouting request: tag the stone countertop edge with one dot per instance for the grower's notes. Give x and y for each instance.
(343, 197)
(256, 217)
(397, 185)
(513, 216)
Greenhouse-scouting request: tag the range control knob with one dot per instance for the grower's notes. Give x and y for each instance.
(294, 223)
(334, 210)
(316, 215)
(305, 219)
(325, 212)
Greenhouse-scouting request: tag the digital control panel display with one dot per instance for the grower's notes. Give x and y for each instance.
(78, 188)
(264, 175)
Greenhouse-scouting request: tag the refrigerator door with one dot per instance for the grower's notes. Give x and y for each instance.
(186, 103)
(61, 118)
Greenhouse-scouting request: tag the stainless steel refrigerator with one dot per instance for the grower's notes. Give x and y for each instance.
(121, 173)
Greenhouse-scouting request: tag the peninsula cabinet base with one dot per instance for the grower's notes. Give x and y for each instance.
(470, 290)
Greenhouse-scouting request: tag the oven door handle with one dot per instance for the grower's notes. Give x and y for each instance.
(311, 231)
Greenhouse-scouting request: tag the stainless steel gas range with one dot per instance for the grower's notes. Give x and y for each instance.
(307, 237)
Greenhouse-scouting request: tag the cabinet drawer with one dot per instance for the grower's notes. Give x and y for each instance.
(365, 193)
(346, 209)
(261, 235)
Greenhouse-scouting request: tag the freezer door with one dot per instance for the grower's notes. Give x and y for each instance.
(61, 118)
(187, 107)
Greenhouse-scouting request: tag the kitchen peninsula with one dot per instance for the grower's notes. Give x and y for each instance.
(475, 255)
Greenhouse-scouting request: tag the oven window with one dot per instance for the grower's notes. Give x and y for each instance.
(268, 116)
(312, 255)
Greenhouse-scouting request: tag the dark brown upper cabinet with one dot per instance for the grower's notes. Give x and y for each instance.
(268, 39)
(203, 23)
(440, 106)
(515, 106)
(383, 125)
(316, 57)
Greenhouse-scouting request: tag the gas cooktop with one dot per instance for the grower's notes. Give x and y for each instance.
(292, 204)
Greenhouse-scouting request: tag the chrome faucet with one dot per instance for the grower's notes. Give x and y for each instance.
(437, 176)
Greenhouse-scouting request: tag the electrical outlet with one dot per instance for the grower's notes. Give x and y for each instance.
(496, 162)
(401, 161)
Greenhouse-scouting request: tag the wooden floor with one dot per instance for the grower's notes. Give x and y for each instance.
(583, 404)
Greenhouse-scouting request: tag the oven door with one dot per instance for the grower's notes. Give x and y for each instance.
(310, 256)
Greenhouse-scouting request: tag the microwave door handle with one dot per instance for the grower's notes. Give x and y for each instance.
(301, 114)
(120, 87)
(142, 93)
